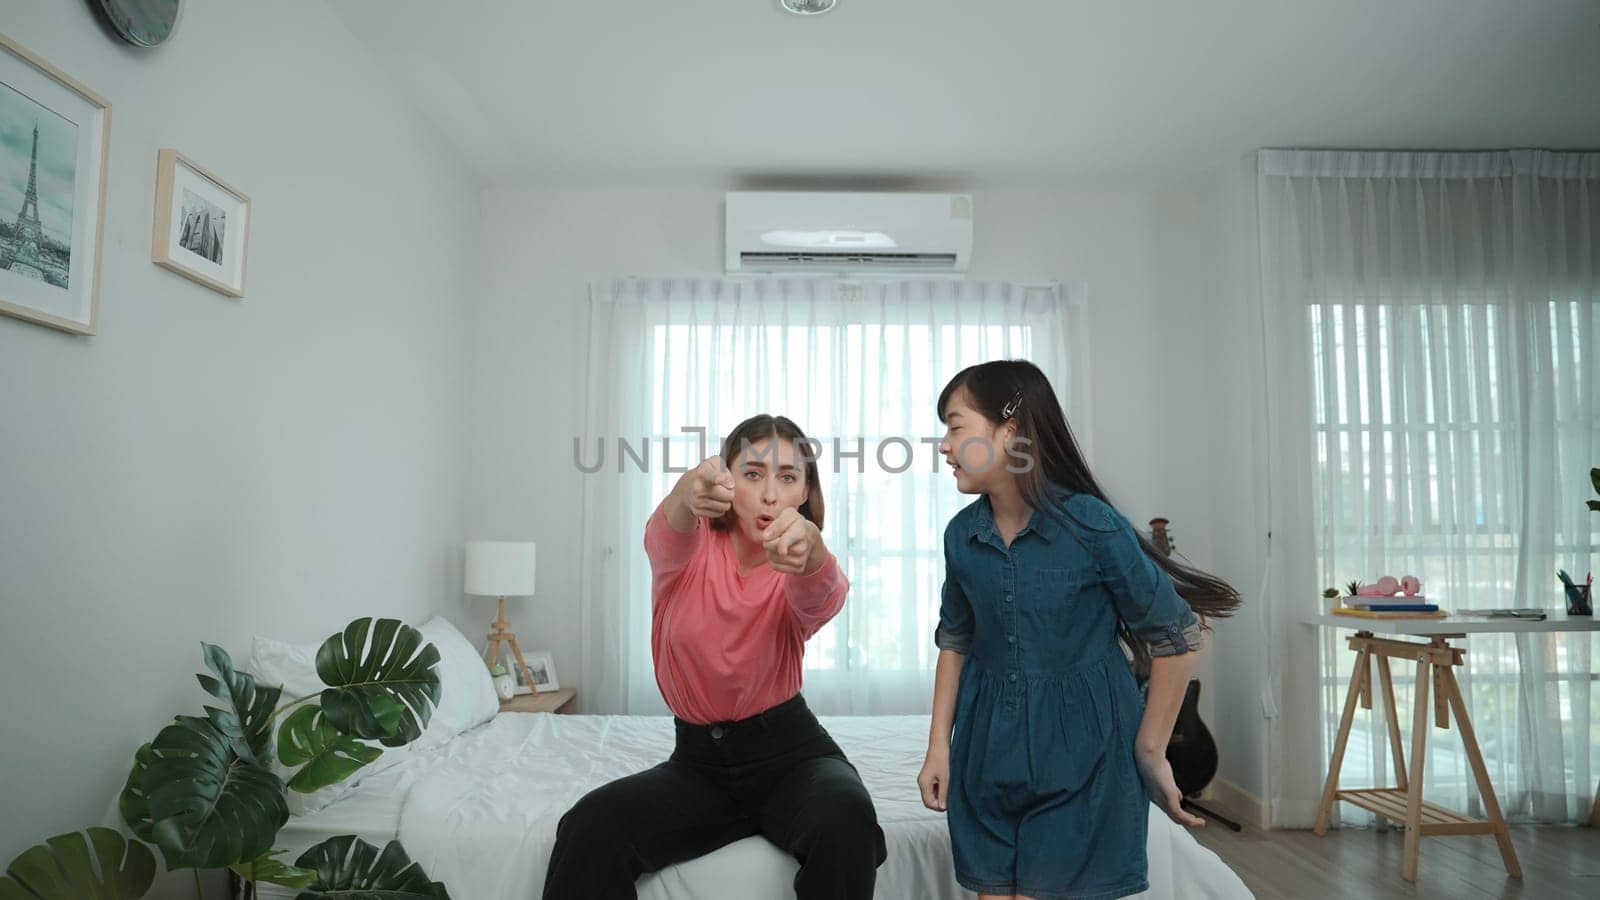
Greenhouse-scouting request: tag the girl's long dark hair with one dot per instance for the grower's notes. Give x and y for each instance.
(1017, 390)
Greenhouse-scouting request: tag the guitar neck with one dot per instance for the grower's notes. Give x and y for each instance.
(1161, 536)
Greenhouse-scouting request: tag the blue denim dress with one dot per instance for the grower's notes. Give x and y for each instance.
(1045, 798)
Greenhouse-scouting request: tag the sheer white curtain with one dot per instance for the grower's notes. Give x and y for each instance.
(859, 366)
(1434, 331)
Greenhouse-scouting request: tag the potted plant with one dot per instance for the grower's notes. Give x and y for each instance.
(204, 794)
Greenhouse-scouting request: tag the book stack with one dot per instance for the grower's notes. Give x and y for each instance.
(1396, 607)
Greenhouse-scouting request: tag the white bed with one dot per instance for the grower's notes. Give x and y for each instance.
(480, 814)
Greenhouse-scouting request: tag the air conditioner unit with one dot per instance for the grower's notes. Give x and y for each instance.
(857, 233)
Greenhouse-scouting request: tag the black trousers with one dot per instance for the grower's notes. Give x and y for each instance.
(776, 774)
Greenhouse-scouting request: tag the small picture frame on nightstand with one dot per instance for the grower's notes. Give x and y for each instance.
(520, 684)
(542, 666)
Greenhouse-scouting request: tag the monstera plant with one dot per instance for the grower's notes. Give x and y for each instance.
(204, 792)
(103, 867)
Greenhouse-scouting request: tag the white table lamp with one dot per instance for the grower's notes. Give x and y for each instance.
(502, 569)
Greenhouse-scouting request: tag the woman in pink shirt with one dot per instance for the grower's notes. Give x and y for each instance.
(741, 579)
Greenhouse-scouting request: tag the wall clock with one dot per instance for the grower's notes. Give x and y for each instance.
(145, 23)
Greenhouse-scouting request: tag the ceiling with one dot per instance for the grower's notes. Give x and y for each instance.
(982, 93)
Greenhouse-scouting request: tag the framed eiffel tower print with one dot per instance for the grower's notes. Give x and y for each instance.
(55, 137)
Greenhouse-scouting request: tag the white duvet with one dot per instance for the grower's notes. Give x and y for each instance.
(481, 814)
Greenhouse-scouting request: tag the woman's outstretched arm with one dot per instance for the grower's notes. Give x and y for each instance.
(705, 492)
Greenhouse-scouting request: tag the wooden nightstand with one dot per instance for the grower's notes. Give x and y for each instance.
(552, 702)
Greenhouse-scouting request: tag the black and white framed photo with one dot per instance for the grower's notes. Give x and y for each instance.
(202, 225)
(55, 136)
(542, 666)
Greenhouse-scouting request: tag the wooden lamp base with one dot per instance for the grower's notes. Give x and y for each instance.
(503, 635)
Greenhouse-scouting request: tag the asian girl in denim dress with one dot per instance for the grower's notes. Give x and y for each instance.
(1041, 750)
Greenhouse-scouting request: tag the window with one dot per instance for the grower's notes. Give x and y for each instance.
(859, 367)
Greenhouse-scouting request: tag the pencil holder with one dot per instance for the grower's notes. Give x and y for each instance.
(1578, 601)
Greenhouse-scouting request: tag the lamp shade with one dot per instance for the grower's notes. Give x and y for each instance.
(500, 568)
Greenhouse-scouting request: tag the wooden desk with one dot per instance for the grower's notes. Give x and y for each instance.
(1436, 661)
(1456, 626)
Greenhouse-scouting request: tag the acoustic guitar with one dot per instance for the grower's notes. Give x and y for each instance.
(1191, 751)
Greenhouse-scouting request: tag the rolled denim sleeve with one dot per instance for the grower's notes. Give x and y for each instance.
(1146, 599)
(955, 612)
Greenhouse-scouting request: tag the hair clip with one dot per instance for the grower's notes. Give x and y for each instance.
(1011, 407)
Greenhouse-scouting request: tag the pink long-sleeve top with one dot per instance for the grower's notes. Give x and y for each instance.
(728, 646)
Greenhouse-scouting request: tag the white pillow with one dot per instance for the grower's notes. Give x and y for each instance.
(466, 689)
(294, 666)
(466, 699)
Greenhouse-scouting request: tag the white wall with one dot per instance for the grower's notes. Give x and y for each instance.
(206, 468)
(1151, 256)
(1235, 432)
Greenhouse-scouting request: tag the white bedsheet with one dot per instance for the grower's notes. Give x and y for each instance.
(371, 812)
(481, 814)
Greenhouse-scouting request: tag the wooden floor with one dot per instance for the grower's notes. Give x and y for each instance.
(1558, 863)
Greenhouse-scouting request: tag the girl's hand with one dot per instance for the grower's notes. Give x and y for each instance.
(793, 544)
(934, 779)
(1156, 773)
(711, 489)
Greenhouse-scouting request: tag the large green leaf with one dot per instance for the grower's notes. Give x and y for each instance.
(211, 807)
(274, 871)
(352, 869)
(248, 717)
(330, 755)
(134, 804)
(1594, 479)
(384, 690)
(67, 867)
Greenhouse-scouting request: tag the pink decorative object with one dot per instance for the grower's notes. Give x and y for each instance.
(1387, 586)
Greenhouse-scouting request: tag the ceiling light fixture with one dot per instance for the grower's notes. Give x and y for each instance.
(808, 7)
